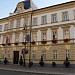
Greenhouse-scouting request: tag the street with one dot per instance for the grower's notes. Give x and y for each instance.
(7, 72)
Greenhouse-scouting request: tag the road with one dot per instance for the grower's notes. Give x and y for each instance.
(8, 72)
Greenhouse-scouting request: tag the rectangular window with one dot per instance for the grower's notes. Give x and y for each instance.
(18, 23)
(44, 54)
(54, 17)
(11, 24)
(74, 14)
(44, 35)
(24, 35)
(17, 38)
(4, 40)
(5, 27)
(0, 38)
(0, 28)
(54, 54)
(44, 19)
(35, 21)
(68, 54)
(66, 33)
(54, 34)
(10, 38)
(26, 22)
(33, 55)
(65, 16)
(34, 36)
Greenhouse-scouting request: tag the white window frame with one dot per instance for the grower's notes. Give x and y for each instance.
(54, 18)
(35, 21)
(0, 28)
(74, 14)
(33, 55)
(26, 22)
(34, 36)
(18, 23)
(5, 27)
(44, 19)
(44, 35)
(66, 33)
(55, 55)
(17, 38)
(65, 16)
(11, 24)
(44, 54)
(68, 54)
(54, 32)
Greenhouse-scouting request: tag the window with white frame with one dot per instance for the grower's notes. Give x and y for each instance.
(24, 35)
(33, 54)
(17, 38)
(25, 22)
(5, 27)
(0, 38)
(18, 23)
(44, 19)
(34, 36)
(10, 38)
(35, 21)
(54, 54)
(44, 35)
(4, 40)
(44, 54)
(54, 34)
(0, 28)
(74, 14)
(65, 16)
(54, 17)
(11, 24)
(66, 33)
(68, 54)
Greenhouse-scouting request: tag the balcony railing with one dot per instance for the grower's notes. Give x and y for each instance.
(60, 41)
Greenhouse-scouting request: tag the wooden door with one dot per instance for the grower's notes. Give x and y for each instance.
(15, 57)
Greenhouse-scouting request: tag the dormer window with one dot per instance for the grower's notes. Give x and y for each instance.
(19, 10)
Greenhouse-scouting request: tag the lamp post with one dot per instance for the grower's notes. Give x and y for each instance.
(30, 41)
(24, 50)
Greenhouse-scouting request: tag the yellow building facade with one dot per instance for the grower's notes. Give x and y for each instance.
(51, 33)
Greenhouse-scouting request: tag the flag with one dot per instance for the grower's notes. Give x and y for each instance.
(27, 38)
(6, 39)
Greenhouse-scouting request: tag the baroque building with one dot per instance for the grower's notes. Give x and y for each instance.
(51, 33)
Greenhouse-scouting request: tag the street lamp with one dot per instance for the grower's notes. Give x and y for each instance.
(24, 51)
(30, 63)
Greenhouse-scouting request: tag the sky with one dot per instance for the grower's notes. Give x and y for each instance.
(8, 6)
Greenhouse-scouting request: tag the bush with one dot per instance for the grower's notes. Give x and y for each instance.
(41, 61)
(30, 64)
(5, 61)
(53, 64)
(66, 62)
(21, 61)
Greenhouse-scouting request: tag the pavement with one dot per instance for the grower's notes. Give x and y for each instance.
(40, 70)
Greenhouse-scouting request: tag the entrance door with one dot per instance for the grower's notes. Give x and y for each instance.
(15, 57)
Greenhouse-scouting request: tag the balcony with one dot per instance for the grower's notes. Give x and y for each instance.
(47, 42)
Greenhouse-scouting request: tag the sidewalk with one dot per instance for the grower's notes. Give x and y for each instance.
(46, 70)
